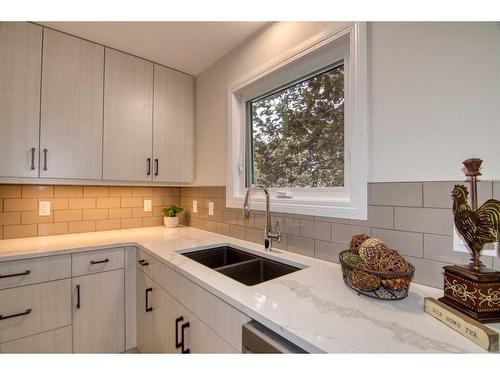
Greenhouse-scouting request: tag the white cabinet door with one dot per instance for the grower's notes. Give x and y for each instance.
(20, 70)
(72, 105)
(173, 126)
(128, 112)
(193, 335)
(99, 313)
(154, 317)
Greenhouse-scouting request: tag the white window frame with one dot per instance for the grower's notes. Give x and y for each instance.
(347, 43)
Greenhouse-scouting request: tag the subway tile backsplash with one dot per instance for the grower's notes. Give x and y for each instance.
(413, 217)
(76, 209)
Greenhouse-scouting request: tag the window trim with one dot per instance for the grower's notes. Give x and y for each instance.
(347, 202)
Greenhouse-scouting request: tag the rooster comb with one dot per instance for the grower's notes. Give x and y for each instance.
(462, 188)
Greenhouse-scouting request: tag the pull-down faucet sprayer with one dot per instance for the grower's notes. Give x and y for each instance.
(269, 234)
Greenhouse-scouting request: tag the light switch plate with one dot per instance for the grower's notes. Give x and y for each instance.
(195, 206)
(147, 205)
(490, 249)
(44, 208)
(210, 208)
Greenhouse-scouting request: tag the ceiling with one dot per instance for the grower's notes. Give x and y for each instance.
(190, 47)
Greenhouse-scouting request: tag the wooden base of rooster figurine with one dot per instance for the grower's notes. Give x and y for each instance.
(474, 289)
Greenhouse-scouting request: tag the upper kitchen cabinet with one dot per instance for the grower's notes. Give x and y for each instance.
(128, 118)
(20, 63)
(72, 105)
(173, 126)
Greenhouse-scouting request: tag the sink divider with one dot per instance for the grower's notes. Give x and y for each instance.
(237, 264)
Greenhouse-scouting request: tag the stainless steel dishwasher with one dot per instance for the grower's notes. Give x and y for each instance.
(261, 340)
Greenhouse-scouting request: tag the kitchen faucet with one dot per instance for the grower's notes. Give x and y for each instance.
(269, 234)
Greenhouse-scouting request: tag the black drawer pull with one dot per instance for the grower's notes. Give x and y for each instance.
(78, 296)
(156, 167)
(143, 262)
(2, 317)
(33, 158)
(148, 308)
(180, 344)
(45, 159)
(27, 272)
(183, 327)
(99, 261)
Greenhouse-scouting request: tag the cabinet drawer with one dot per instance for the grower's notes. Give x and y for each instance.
(55, 341)
(98, 261)
(151, 267)
(36, 270)
(36, 308)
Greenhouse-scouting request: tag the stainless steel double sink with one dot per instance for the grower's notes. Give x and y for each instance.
(247, 268)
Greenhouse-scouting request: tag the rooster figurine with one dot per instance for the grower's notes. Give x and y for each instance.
(477, 227)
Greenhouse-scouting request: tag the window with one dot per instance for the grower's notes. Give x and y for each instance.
(296, 134)
(298, 125)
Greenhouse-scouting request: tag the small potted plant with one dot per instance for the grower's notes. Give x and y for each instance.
(170, 219)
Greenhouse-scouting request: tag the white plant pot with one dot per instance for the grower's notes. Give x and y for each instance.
(171, 222)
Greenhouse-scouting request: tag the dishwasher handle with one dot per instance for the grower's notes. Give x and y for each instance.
(259, 339)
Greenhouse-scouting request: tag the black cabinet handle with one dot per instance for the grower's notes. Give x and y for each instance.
(148, 309)
(143, 262)
(180, 343)
(78, 296)
(156, 167)
(99, 261)
(45, 159)
(184, 350)
(27, 272)
(33, 158)
(3, 317)
(148, 168)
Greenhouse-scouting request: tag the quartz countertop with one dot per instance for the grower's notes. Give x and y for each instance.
(312, 307)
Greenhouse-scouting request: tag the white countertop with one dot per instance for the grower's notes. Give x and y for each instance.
(312, 307)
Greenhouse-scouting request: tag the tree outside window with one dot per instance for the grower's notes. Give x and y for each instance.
(297, 133)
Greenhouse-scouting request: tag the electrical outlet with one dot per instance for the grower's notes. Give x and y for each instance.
(490, 249)
(195, 206)
(44, 208)
(147, 205)
(210, 208)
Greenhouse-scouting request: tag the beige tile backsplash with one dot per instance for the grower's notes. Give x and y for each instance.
(76, 209)
(413, 217)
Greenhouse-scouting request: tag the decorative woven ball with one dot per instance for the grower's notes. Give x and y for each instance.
(397, 284)
(364, 280)
(353, 259)
(356, 241)
(390, 260)
(369, 248)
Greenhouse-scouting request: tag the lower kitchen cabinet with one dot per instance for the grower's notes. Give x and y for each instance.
(195, 337)
(33, 309)
(77, 303)
(99, 312)
(154, 333)
(164, 325)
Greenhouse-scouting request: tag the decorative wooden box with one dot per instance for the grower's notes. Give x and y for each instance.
(476, 294)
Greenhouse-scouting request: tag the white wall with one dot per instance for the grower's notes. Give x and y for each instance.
(434, 97)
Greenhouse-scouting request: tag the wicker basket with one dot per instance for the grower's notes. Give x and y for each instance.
(393, 285)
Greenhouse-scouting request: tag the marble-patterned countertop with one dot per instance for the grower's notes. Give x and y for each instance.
(311, 307)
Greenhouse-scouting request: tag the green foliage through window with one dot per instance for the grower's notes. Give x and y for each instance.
(297, 133)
